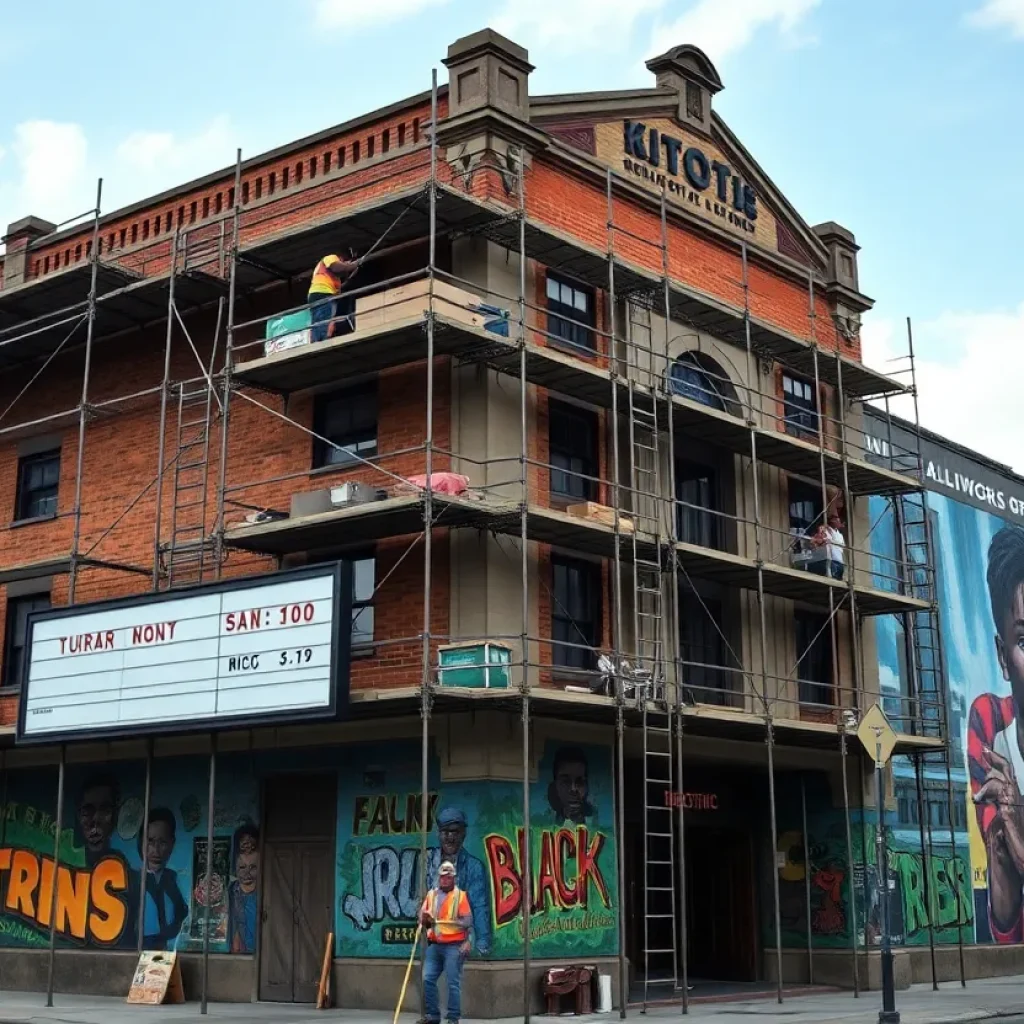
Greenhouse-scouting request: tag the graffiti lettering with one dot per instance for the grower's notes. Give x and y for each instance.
(946, 877)
(384, 814)
(567, 865)
(91, 904)
(390, 881)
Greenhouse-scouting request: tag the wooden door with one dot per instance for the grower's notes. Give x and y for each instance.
(298, 886)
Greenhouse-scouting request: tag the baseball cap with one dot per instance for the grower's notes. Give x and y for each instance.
(447, 868)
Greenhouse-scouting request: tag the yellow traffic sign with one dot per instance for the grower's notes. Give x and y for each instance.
(877, 735)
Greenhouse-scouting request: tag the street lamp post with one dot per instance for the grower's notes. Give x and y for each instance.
(888, 1014)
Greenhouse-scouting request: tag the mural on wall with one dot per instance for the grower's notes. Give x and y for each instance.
(478, 826)
(980, 576)
(106, 866)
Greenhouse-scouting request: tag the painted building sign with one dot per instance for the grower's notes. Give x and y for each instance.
(692, 170)
(573, 897)
(106, 867)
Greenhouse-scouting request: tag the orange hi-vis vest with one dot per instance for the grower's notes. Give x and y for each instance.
(446, 914)
(324, 282)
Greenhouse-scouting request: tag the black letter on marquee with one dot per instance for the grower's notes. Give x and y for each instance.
(722, 172)
(696, 168)
(672, 149)
(634, 139)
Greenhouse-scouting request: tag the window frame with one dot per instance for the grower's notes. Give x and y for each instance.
(707, 518)
(688, 379)
(807, 625)
(25, 494)
(801, 413)
(367, 647)
(576, 660)
(567, 324)
(355, 440)
(588, 427)
(37, 602)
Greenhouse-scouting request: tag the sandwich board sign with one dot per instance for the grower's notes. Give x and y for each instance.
(157, 979)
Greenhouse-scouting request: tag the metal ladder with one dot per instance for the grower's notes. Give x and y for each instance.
(189, 546)
(661, 958)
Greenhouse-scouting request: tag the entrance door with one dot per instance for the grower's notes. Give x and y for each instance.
(298, 886)
(721, 920)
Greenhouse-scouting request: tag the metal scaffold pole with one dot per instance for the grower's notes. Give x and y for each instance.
(58, 827)
(162, 436)
(926, 863)
(620, 724)
(83, 405)
(147, 797)
(849, 859)
(524, 569)
(211, 805)
(428, 511)
(229, 358)
(763, 642)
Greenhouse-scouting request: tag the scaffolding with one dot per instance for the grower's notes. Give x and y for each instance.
(645, 683)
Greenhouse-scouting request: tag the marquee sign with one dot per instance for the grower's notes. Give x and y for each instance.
(274, 648)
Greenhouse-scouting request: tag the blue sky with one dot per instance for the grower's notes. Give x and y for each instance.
(898, 118)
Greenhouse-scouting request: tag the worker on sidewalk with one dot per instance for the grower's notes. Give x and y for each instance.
(448, 918)
(325, 299)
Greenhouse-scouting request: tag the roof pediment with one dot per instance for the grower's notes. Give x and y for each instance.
(709, 174)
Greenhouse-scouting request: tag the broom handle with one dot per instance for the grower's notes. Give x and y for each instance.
(408, 971)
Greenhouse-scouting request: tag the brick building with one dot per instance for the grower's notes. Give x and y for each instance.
(602, 388)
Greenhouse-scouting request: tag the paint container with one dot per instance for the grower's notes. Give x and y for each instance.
(604, 993)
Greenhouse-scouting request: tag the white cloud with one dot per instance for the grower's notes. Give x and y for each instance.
(571, 25)
(970, 394)
(354, 15)
(1000, 14)
(49, 171)
(721, 27)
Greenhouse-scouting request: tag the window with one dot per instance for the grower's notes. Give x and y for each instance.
(814, 653)
(936, 806)
(570, 312)
(689, 380)
(15, 635)
(364, 580)
(702, 648)
(805, 507)
(800, 406)
(697, 494)
(38, 478)
(572, 440)
(576, 613)
(347, 419)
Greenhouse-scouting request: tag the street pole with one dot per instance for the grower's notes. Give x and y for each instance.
(888, 1014)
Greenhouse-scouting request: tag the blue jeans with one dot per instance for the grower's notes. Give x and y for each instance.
(442, 958)
(323, 309)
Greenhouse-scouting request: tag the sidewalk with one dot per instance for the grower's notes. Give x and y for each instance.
(981, 1000)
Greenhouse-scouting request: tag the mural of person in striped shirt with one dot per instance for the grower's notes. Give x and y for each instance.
(995, 743)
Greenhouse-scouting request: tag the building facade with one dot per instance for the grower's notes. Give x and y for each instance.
(570, 446)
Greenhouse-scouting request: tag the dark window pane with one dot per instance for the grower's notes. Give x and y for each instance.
(689, 381)
(697, 494)
(570, 313)
(18, 610)
(814, 652)
(364, 581)
(38, 480)
(576, 613)
(800, 406)
(348, 420)
(572, 439)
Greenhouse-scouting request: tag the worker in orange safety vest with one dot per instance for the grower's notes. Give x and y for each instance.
(448, 918)
(325, 299)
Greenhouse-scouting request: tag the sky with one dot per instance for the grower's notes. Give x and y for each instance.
(900, 119)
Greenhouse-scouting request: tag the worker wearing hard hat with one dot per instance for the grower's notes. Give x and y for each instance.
(448, 918)
(326, 302)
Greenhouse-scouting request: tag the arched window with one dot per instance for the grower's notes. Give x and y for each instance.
(690, 380)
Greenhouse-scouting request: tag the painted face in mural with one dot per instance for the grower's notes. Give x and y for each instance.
(247, 870)
(570, 786)
(159, 845)
(97, 810)
(1010, 645)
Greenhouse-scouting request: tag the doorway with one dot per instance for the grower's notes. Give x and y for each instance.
(720, 905)
(297, 885)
